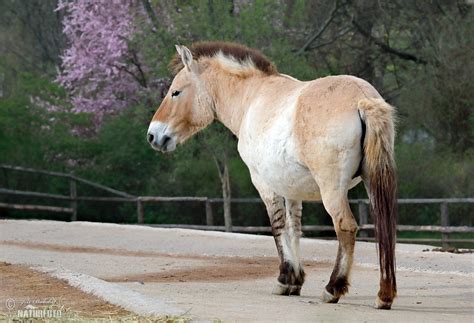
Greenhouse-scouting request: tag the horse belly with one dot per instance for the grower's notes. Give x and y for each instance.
(290, 179)
(273, 160)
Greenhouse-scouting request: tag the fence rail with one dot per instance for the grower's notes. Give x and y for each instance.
(364, 227)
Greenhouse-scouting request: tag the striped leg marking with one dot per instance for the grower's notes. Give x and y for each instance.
(286, 227)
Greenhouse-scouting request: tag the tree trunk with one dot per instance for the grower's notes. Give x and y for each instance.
(224, 176)
(226, 195)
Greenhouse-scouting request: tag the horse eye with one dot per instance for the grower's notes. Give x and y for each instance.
(175, 93)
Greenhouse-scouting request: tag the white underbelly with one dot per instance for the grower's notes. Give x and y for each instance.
(288, 178)
(272, 159)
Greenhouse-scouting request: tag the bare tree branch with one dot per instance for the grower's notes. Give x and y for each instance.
(136, 62)
(335, 38)
(151, 14)
(387, 48)
(321, 30)
(123, 68)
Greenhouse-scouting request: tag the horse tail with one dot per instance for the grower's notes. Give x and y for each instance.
(381, 181)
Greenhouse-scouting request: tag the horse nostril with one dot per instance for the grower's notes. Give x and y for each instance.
(166, 139)
(150, 138)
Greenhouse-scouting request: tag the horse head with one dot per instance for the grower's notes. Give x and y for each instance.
(186, 109)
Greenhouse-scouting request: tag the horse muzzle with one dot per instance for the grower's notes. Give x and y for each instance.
(160, 137)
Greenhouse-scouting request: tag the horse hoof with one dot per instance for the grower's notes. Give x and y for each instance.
(282, 289)
(328, 297)
(382, 305)
(295, 290)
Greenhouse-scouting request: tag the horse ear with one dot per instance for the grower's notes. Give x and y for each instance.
(186, 56)
(178, 49)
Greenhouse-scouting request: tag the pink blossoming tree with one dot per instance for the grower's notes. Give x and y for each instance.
(99, 68)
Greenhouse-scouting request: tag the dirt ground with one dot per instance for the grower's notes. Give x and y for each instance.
(219, 269)
(21, 287)
(215, 269)
(210, 275)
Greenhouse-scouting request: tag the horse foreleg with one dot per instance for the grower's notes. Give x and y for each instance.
(285, 222)
(291, 269)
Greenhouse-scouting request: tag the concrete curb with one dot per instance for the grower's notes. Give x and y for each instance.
(113, 293)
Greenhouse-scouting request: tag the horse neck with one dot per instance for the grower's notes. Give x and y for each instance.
(232, 95)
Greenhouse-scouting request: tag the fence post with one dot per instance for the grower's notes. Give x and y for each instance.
(362, 218)
(73, 195)
(209, 215)
(444, 223)
(140, 211)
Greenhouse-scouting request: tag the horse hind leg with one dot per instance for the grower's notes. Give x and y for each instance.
(337, 205)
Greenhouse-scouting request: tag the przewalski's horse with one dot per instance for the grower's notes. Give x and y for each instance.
(300, 140)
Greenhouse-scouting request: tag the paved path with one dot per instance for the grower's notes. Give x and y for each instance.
(230, 276)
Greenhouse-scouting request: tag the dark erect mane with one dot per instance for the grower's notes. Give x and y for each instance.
(239, 52)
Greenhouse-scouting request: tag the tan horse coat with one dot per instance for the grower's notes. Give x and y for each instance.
(300, 141)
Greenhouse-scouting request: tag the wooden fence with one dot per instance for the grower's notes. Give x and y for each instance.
(72, 198)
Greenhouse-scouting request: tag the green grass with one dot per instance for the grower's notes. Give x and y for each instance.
(436, 235)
